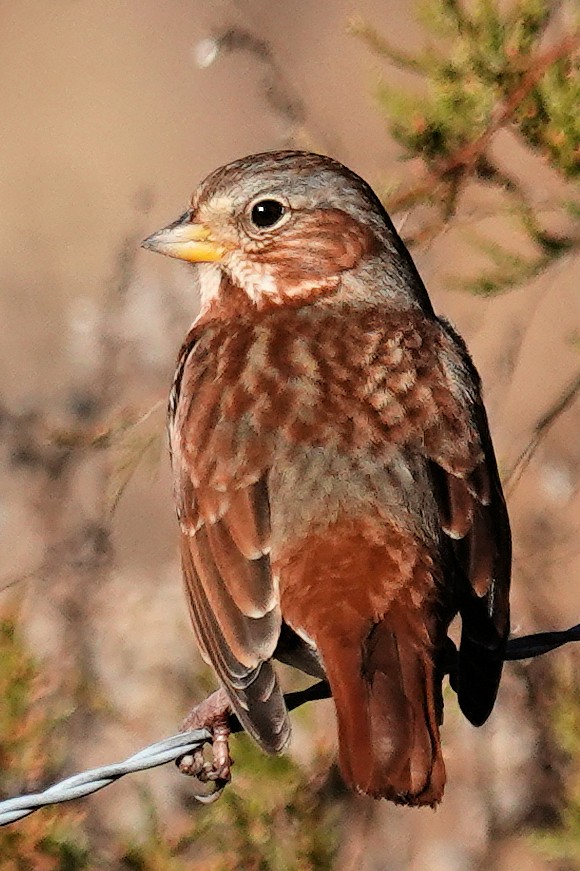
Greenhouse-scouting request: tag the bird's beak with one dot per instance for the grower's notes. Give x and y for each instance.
(186, 241)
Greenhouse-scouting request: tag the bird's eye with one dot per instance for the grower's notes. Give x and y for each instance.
(267, 213)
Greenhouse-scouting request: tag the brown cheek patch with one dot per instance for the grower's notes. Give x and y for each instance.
(321, 244)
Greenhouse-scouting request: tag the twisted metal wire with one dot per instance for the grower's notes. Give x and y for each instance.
(91, 781)
(173, 748)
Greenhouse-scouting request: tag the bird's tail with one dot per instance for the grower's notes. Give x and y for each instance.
(388, 703)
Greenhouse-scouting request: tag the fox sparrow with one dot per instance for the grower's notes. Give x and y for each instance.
(335, 479)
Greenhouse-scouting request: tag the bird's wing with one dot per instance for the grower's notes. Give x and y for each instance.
(427, 393)
(225, 530)
(474, 517)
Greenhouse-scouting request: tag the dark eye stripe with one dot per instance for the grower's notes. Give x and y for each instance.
(266, 213)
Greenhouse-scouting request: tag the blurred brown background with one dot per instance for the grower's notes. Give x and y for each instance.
(110, 114)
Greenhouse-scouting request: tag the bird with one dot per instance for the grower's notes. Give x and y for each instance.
(335, 480)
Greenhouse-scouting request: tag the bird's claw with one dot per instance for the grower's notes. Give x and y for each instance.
(213, 715)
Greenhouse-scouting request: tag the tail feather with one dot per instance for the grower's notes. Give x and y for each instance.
(388, 703)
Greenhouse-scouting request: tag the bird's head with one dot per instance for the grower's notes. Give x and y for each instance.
(282, 227)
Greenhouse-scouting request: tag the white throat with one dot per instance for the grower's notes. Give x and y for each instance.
(257, 283)
(255, 279)
(210, 277)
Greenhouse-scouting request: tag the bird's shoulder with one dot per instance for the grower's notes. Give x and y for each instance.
(405, 371)
(351, 332)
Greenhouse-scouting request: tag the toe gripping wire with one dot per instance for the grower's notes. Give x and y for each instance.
(171, 749)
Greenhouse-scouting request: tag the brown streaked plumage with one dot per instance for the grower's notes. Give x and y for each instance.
(335, 480)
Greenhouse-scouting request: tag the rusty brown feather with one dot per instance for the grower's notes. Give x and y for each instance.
(335, 480)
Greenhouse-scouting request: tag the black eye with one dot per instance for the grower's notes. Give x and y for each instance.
(266, 213)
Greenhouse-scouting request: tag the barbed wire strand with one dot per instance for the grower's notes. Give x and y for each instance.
(169, 749)
(91, 781)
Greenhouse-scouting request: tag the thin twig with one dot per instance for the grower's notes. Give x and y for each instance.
(562, 404)
(278, 90)
(466, 156)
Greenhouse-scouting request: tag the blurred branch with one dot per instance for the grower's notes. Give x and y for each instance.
(541, 429)
(279, 93)
(35, 443)
(466, 157)
(357, 26)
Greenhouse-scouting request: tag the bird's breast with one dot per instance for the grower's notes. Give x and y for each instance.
(322, 404)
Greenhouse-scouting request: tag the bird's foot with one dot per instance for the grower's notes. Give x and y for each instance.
(212, 714)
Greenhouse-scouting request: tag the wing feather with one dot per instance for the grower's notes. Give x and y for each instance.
(248, 520)
(225, 525)
(254, 691)
(474, 516)
(248, 582)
